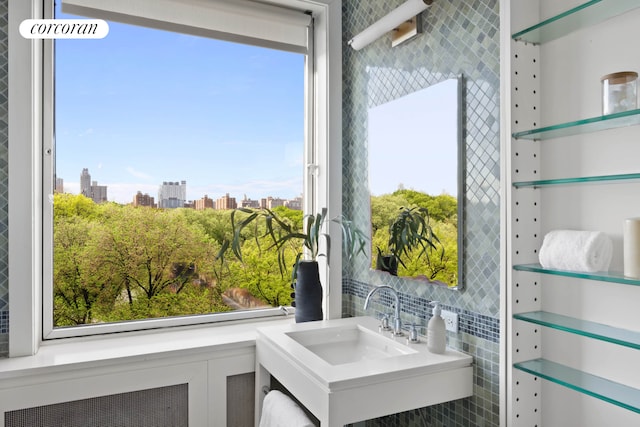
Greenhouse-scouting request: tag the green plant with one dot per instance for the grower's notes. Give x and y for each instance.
(411, 230)
(281, 231)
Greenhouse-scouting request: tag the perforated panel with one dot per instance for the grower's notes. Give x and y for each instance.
(525, 235)
(241, 399)
(527, 408)
(157, 407)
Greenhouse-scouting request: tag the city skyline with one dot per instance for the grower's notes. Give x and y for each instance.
(89, 183)
(141, 106)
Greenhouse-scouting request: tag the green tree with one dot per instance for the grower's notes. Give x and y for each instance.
(443, 213)
(216, 224)
(260, 274)
(74, 206)
(442, 208)
(192, 300)
(117, 263)
(152, 250)
(80, 280)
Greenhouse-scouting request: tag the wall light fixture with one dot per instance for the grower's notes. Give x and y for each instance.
(403, 21)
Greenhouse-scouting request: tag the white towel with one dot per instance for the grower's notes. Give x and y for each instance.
(278, 410)
(573, 250)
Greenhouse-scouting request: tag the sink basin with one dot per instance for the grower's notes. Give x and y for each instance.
(349, 344)
(344, 370)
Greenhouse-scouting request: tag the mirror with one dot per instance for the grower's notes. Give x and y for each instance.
(416, 164)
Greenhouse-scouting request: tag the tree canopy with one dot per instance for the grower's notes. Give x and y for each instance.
(116, 262)
(440, 264)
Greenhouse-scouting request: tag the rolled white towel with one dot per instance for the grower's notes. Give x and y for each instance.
(574, 250)
(279, 410)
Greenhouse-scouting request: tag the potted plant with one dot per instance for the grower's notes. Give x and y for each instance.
(410, 230)
(305, 273)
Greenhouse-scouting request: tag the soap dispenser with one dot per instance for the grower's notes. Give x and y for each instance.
(436, 332)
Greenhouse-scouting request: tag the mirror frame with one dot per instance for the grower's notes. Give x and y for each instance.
(462, 175)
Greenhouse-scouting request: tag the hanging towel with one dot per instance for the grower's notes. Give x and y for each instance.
(278, 410)
(574, 250)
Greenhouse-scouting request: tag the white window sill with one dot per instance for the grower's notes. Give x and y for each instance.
(101, 351)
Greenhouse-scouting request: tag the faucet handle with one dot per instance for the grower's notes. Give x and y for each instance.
(397, 327)
(384, 323)
(413, 334)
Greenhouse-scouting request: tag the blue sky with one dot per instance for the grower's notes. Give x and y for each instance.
(413, 142)
(141, 106)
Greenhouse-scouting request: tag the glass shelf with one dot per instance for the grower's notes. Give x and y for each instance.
(582, 180)
(600, 388)
(580, 127)
(582, 16)
(603, 276)
(585, 328)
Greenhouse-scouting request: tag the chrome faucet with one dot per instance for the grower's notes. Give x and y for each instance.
(397, 323)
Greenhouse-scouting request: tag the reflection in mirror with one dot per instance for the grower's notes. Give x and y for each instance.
(415, 179)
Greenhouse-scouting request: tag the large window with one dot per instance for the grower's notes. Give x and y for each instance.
(31, 174)
(159, 135)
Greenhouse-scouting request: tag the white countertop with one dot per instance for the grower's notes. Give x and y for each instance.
(68, 354)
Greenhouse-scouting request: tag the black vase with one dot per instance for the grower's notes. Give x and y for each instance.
(387, 263)
(308, 292)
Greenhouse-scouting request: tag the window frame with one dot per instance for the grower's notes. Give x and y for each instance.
(48, 329)
(31, 116)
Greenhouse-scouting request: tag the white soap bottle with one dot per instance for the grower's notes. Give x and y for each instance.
(436, 332)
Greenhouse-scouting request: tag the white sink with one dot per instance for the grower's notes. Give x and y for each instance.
(346, 370)
(349, 344)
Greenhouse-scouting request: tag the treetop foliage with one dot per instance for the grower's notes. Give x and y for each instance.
(118, 262)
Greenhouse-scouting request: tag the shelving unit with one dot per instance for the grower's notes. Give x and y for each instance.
(602, 276)
(528, 320)
(600, 388)
(582, 16)
(580, 127)
(584, 328)
(578, 180)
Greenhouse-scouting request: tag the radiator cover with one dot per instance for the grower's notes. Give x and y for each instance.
(156, 407)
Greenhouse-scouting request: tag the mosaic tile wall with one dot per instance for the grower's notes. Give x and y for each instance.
(4, 178)
(460, 37)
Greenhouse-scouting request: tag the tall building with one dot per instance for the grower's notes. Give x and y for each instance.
(204, 203)
(295, 203)
(91, 189)
(143, 200)
(85, 183)
(271, 202)
(226, 202)
(59, 186)
(249, 203)
(172, 195)
(98, 192)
